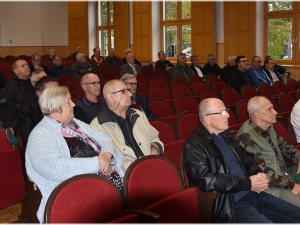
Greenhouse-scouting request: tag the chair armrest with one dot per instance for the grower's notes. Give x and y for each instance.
(144, 215)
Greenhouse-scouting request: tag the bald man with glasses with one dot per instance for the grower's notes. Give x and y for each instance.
(129, 128)
(89, 106)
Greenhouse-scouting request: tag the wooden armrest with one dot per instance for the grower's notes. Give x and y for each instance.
(144, 215)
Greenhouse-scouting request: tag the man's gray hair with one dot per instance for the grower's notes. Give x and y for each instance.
(210, 55)
(193, 57)
(254, 104)
(79, 56)
(126, 77)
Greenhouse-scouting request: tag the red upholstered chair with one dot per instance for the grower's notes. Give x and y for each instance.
(142, 87)
(266, 90)
(280, 87)
(147, 187)
(212, 78)
(206, 210)
(161, 76)
(185, 103)
(163, 71)
(218, 86)
(166, 131)
(248, 91)
(159, 83)
(241, 111)
(286, 102)
(105, 67)
(109, 75)
(173, 151)
(208, 94)
(72, 86)
(283, 132)
(283, 115)
(63, 79)
(186, 124)
(233, 122)
(195, 79)
(230, 97)
(87, 198)
(163, 110)
(115, 70)
(178, 80)
(180, 89)
(79, 93)
(292, 85)
(198, 88)
(144, 79)
(160, 93)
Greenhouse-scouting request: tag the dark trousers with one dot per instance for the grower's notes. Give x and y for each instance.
(265, 208)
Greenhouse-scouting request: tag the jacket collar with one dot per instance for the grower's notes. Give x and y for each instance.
(105, 115)
(206, 136)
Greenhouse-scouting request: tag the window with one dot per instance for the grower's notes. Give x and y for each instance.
(176, 27)
(282, 31)
(105, 26)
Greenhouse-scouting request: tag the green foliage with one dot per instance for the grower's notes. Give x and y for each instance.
(280, 5)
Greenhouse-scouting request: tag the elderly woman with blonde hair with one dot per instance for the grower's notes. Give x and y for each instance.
(60, 147)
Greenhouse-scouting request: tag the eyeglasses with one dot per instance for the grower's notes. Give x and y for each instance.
(244, 61)
(95, 83)
(132, 84)
(223, 113)
(124, 91)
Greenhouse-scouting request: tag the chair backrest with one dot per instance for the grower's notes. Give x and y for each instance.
(186, 124)
(150, 179)
(286, 102)
(280, 87)
(72, 86)
(178, 80)
(185, 103)
(211, 77)
(87, 198)
(166, 131)
(283, 132)
(274, 103)
(241, 111)
(159, 83)
(143, 88)
(108, 75)
(63, 79)
(159, 93)
(232, 120)
(162, 76)
(79, 93)
(218, 86)
(143, 78)
(292, 85)
(230, 96)
(115, 70)
(208, 94)
(195, 79)
(198, 88)
(173, 151)
(161, 108)
(180, 89)
(265, 90)
(248, 91)
(160, 70)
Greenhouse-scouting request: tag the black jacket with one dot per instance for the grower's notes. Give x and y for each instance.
(215, 69)
(226, 73)
(144, 104)
(95, 64)
(29, 116)
(238, 79)
(207, 168)
(46, 70)
(8, 112)
(280, 76)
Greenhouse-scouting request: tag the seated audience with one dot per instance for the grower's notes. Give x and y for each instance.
(96, 59)
(258, 75)
(2, 81)
(35, 77)
(239, 77)
(270, 150)
(272, 73)
(181, 69)
(162, 63)
(60, 147)
(89, 106)
(129, 129)
(211, 67)
(128, 50)
(36, 64)
(112, 59)
(81, 67)
(279, 68)
(58, 68)
(8, 112)
(228, 68)
(130, 66)
(30, 114)
(49, 60)
(197, 69)
(214, 161)
(138, 101)
(19, 86)
(73, 55)
(295, 120)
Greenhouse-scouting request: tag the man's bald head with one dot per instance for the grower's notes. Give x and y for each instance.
(109, 87)
(206, 106)
(254, 104)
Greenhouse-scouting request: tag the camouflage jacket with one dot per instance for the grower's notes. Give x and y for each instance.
(269, 150)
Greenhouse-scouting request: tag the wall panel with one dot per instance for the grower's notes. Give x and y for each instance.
(121, 24)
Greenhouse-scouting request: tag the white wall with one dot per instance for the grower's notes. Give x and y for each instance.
(34, 23)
